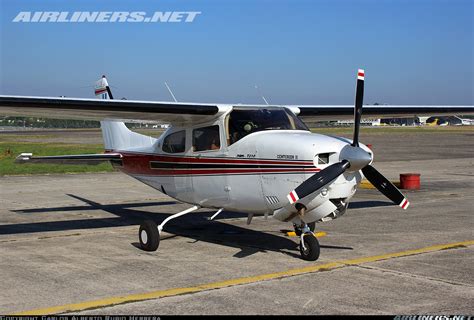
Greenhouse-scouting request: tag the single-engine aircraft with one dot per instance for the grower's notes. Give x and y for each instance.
(256, 159)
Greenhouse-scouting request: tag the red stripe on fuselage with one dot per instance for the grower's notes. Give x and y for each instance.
(221, 171)
(138, 163)
(215, 160)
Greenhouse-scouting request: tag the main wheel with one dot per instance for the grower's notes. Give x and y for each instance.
(312, 227)
(311, 253)
(149, 236)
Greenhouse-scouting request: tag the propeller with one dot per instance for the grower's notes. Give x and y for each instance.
(354, 159)
(318, 180)
(385, 187)
(358, 106)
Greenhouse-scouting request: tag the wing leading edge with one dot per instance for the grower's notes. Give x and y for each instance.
(185, 113)
(328, 112)
(94, 109)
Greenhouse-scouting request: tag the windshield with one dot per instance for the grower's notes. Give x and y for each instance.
(242, 122)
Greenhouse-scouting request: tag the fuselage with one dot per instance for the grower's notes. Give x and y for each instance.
(252, 173)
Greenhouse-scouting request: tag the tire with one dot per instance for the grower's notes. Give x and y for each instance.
(149, 236)
(312, 227)
(312, 248)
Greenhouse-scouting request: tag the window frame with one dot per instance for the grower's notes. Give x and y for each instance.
(219, 126)
(292, 120)
(169, 135)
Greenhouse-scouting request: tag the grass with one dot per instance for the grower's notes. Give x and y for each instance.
(9, 150)
(11, 145)
(23, 137)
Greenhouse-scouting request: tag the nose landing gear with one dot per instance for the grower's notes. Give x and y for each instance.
(309, 244)
(299, 228)
(309, 247)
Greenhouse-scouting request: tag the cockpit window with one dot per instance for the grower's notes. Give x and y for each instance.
(206, 138)
(175, 142)
(242, 122)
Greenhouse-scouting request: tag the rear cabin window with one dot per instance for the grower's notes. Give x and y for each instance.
(242, 122)
(206, 138)
(175, 142)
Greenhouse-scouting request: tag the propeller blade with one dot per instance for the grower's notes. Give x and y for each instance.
(318, 180)
(358, 105)
(385, 186)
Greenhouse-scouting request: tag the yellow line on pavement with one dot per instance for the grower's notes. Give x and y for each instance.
(365, 184)
(316, 234)
(107, 302)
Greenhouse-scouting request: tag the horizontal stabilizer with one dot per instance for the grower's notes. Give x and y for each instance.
(91, 159)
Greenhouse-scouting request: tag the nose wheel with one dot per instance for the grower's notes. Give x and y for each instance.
(309, 247)
(149, 236)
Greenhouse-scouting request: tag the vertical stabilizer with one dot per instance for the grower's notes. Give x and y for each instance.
(102, 89)
(118, 137)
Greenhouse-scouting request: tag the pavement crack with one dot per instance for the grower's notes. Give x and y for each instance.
(416, 276)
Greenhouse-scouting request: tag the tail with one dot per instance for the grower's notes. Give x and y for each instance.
(116, 135)
(102, 89)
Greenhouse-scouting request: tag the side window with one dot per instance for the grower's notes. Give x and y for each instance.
(206, 138)
(175, 142)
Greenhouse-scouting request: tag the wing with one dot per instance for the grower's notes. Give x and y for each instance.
(185, 113)
(327, 112)
(90, 159)
(94, 109)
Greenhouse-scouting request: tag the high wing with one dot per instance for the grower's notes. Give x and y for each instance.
(95, 109)
(343, 112)
(191, 113)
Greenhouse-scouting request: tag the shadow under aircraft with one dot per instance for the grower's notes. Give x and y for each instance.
(196, 226)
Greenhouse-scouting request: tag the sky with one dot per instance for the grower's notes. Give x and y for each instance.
(295, 51)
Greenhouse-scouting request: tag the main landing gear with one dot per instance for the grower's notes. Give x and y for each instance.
(149, 235)
(149, 232)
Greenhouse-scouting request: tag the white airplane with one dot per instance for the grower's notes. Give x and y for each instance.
(257, 159)
(465, 122)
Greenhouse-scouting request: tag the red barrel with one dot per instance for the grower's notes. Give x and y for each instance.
(410, 181)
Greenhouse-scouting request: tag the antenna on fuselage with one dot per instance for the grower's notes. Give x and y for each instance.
(171, 92)
(260, 93)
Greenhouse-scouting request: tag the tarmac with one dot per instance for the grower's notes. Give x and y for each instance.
(68, 244)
